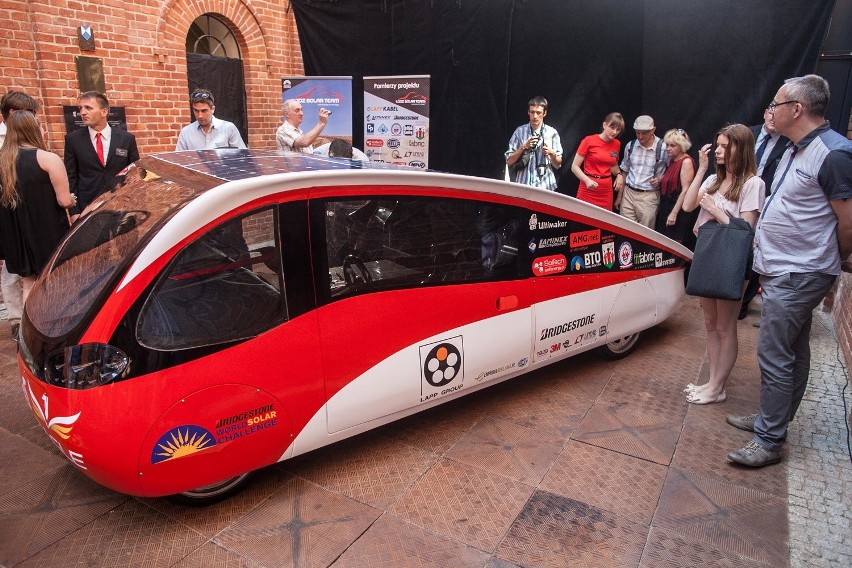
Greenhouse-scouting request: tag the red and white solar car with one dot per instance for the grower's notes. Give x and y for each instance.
(235, 308)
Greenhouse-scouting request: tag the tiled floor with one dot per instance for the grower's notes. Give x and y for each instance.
(583, 463)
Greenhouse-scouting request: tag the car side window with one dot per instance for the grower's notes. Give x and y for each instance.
(395, 242)
(225, 286)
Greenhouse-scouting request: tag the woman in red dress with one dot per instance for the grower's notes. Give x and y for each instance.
(596, 161)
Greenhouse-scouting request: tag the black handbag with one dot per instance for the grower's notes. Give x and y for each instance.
(721, 260)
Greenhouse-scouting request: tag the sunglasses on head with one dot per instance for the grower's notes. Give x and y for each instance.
(201, 96)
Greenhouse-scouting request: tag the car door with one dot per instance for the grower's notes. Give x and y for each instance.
(420, 299)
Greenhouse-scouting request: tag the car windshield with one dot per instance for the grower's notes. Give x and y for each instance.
(97, 250)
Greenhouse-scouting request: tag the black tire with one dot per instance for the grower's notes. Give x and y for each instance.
(204, 496)
(620, 348)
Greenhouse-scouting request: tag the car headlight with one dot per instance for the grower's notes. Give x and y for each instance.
(85, 366)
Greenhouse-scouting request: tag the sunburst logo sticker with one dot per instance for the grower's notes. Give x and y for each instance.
(181, 442)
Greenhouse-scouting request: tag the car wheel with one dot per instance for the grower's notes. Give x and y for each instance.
(210, 494)
(621, 347)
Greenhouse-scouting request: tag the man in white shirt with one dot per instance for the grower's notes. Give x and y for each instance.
(290, 137)
(644, 164)
(207, 132)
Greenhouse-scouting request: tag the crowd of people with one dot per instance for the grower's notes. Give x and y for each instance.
(789, 178)
(791, 171)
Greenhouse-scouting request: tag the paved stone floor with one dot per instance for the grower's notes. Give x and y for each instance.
(582, 463)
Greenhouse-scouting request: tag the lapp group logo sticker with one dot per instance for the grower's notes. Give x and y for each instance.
(442, 369)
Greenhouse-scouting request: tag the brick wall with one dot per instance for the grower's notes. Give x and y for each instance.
(842, 306)
(142, 45)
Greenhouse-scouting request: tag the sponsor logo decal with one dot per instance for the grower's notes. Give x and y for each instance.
(58, 426)
(625, 255)
(558, 224)
(393, 143)
(533, 221)
(245, 423)
(442, 371)
(383, 129)
(586, 337)
(608, 250)
(408, 130)
(553, 242)
(61, 426)
(374, 142)
(566, 327)
(584, 238)
(660, 262)
(643, 259)
(577, 264)
(549, 264)
(592, 259)
(412, 98)
(420, 133)
(371, 128)
(181, 442)
(523, 363)
(492, 372)
(417, 164)
(396, 129)
(531, 245)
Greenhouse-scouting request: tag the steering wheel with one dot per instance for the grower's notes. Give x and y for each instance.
(349, 274)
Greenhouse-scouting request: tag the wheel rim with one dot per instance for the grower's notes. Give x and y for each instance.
(623, 344)
(215, 489)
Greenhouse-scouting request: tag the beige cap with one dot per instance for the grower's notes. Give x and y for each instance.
(643, 122)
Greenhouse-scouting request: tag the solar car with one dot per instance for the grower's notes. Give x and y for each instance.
(229, 309)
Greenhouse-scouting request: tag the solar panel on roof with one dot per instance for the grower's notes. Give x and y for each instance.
(232, 164)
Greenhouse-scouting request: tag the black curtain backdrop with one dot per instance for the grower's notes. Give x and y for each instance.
(690, 64)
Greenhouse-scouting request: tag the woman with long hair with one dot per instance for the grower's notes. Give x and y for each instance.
(33, 197)
(596, 161)
(672, 221)
(734, 190)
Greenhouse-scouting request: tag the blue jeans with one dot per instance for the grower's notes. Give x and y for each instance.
(783, 349)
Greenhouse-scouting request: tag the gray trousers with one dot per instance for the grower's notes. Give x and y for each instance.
(783, 349)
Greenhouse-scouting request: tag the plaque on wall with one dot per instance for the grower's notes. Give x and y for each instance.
(86, 38)
(116, 118)
(90, 74)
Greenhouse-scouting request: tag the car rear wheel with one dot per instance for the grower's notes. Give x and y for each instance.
(619, 348)
(210, 494)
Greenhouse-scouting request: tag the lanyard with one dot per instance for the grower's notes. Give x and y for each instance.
(780, 181)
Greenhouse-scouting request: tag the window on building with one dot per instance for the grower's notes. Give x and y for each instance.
(225, 286)
(208, 35)
(399, 242)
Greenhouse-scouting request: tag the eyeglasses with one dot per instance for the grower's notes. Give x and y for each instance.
(773, 105)
(201, 96)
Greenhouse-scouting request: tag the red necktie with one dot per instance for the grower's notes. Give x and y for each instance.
(99, 146)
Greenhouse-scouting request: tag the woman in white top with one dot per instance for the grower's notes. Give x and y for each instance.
(733, 191)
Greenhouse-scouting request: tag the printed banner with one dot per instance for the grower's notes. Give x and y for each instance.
(396, 120)
(314, 93)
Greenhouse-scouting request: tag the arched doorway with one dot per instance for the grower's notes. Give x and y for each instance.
(213, 62)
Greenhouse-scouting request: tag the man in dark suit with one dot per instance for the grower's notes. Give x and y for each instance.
(769, 147)
(94, 155)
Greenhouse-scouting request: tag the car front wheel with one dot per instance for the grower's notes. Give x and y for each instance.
(210, 494)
